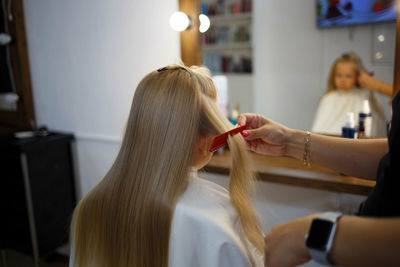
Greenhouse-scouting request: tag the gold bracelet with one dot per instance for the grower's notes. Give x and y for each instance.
(306, 154)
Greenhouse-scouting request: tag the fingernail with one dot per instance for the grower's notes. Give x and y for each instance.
(245, 133)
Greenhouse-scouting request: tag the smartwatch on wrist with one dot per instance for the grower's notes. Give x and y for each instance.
(319, 240)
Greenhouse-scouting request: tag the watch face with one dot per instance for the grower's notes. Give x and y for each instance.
(319, 234)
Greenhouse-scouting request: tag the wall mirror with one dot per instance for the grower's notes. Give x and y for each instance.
(292, 58)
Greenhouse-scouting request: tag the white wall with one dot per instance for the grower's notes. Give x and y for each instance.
(241, 92)
(86, 58)
(292, 59)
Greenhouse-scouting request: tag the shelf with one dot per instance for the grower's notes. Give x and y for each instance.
(226, 46)
(231, 17)
(290, 171)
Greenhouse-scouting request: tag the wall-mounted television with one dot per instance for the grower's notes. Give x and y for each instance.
(332, 13)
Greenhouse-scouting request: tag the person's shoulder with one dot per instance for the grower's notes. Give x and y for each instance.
(205, 200)
(328, 99)
(207, 206)
(361, 93)
(215, 236)
(329, 96)
(355, 93)
(201, 192)
(333, 93)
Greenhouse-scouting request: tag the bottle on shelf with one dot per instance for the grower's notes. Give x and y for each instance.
(235, 114)
(365, 120)
(349, 130)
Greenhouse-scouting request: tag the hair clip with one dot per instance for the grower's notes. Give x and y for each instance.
(220, 140)
(161, 69)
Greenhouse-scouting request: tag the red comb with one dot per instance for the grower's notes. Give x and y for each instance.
(220, 140)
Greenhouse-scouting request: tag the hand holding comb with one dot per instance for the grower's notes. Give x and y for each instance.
(220, 140)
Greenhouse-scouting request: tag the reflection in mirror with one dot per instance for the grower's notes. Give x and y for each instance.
(347, 104)
(293, 59)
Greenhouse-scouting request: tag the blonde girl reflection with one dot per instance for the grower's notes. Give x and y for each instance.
(344, 95)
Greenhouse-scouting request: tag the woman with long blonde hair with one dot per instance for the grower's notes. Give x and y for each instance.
(345, 94)
(151, 208)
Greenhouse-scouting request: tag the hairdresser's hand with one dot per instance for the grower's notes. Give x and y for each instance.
(263, 135)
(365, 80)
(285, 245)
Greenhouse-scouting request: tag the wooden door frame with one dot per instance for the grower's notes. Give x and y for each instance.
(191, 48)
(396, 74)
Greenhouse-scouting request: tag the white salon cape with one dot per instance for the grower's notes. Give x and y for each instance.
(206, 230)
(331, 113)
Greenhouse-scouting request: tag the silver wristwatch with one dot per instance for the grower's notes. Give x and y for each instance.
(319, 240)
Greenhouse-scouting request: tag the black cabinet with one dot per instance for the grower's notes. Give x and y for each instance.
(37, 193)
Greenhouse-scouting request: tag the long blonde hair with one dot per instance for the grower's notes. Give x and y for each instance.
(125, 219)
(353, 58)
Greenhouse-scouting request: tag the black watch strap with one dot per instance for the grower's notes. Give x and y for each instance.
(321, 255)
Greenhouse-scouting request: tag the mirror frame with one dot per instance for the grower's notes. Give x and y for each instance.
(396, 76)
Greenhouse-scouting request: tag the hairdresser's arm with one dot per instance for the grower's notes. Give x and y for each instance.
(353, 157)
(359, 241)
(367, 81)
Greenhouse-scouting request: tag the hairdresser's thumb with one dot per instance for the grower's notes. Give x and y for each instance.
(252, 134)
(242, 120)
